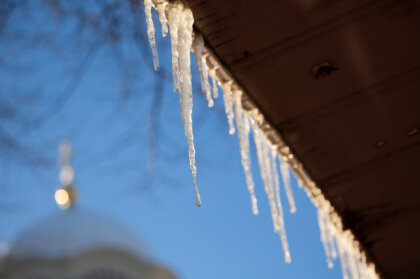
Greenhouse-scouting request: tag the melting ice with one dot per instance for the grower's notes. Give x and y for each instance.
(335, 240)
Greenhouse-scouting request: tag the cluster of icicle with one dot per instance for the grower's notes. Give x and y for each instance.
(273, 154)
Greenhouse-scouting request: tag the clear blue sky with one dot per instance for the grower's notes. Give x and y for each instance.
(109, 128)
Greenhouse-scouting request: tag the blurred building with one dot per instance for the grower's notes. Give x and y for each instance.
(76, 244)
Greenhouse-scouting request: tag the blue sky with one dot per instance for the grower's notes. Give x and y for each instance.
(109, 127)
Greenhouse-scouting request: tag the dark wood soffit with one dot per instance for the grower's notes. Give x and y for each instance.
(354, 130)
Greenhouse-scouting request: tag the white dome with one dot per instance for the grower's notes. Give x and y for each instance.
(73, 232)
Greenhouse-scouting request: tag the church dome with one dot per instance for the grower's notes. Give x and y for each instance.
(72, 232)
(82, 245)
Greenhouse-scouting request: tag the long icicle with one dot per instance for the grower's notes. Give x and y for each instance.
(266, 165)
(185, 88)
(151, 32)
(276, 182)
(268, 170)
(263, 171)
(242, 126)
(354, 262)
(275, 178)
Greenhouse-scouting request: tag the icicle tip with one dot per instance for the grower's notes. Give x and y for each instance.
(287, 258)
(198, 200)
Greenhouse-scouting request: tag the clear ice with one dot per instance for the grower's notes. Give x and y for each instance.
(162, 17)
(269, 174)
(174, 16)
(324, 238)
(215, 90)
(185, 88)
(286, 181)
(198, 45)
(243, 128)
(151, 32)
(336, 240)
(227, 98)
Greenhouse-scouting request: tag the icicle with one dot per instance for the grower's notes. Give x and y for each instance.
(353, 268)
(349, 256)
(263, 171)
(330, 238)
(228, 105)
(162, 17)
(286, 181)
(275, 177)
(203, 72)
(242, 125)
(268, 170)
(343, 258)
(264, 175)
(353, 262)
(209, 98)
(299, 183)
(174, 16)
(207, 86)
(268, 184)
(151, 32)
(198, 45)
(215, 90)
(185, 88)
(324, 238)
(282, 227)
(335, 239)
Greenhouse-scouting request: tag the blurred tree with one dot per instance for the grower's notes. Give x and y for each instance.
(69, 35)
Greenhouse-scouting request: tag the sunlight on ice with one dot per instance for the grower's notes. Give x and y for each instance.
(282, 232)
(269, 174)
(160, 7)
(243, 129)
(215, 90)
(185, 87)
(331, 242)
(180, 21)
(151, 32)
(266, 177)
(198, 45)
(324, 238)
(286, 181)
(174, 10)
(336, 240)
(227, 98)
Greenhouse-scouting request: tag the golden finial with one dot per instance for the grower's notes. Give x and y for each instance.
(66, 194)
